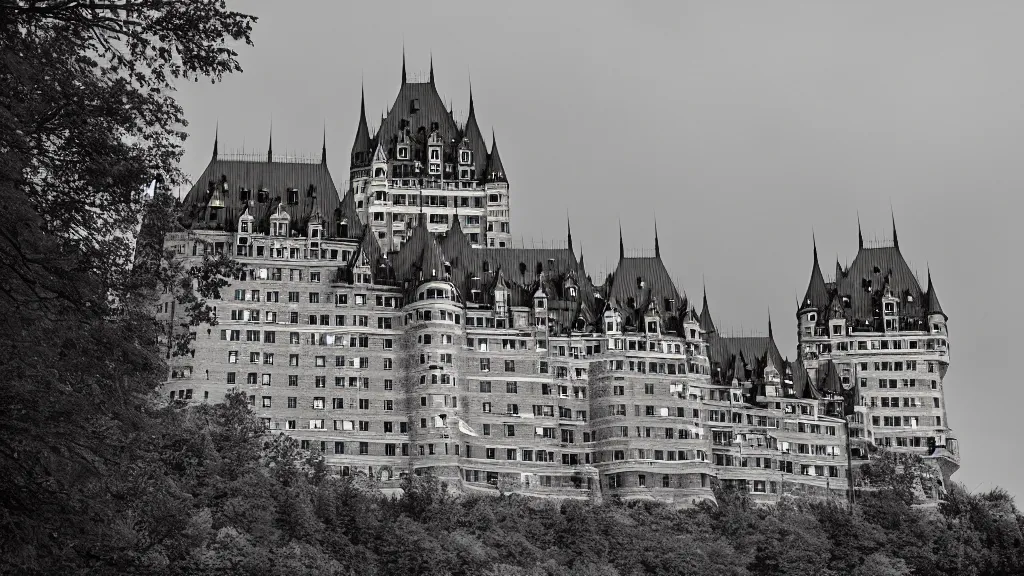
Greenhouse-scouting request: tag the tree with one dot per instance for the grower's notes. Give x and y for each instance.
(90, 118)
(87, 120)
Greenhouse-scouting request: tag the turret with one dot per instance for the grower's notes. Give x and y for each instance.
(814, 300)
(936, 317)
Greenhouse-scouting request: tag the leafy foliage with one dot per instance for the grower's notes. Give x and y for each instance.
(214, 494)
(89, 118)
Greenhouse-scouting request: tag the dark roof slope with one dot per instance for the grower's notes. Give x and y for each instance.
(932, 299)
(312, 180)
(495, 171)
(817, 293)
(476, 141)
(870, 272)
(706, 323)
(430, 109)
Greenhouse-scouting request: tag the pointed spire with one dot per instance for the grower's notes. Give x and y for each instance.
(216, 137)
(770, 335)
(568, 227)
(932, 299)
(362, 142)
(472, 112)
(895, 239)
(403, 64)
(657, 246)
(622, 247)
(706, 322)
(270, 145)
(494, 172)
(817, 293)
(431, 68)
(323, 151)
(860, 234)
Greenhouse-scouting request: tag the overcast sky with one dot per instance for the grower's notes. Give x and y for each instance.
(741, 126)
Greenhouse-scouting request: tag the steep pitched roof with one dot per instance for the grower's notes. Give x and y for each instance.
(362, 146)
(817, 293)
(520, 265)
(652, 272)
(430, 109)
(495, 171)
(756, 351)
(870, 272)
(802, 385)
(706, 323)
(476, 140)
(932, 299)
(316, 191)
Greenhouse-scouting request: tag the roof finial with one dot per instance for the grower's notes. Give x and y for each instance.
(270, 146)
(431, 67)
(216, 136)
(323, 151)
(860, 235)
(622, 247)
(895, 239)
(403, 63)
(657, 246)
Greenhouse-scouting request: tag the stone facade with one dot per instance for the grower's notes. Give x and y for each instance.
(424, 346)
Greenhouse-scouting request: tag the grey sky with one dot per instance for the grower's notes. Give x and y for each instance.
(741, 125)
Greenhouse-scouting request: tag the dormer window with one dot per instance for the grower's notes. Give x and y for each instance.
(539, 303)
(890, 307)
(652, 326)
(837, 329)
(243, 227)
(314, 233)
(435, 154)
(464, 157)
(403, 152)
(293, 196)
(435, 167)
(811, 317)
(464, 174)
(414, 106)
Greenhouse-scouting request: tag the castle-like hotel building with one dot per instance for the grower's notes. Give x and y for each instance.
(396, 329)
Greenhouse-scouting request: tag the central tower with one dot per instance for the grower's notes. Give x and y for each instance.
(421, 161)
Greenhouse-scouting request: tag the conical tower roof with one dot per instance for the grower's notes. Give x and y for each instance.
(817, 293)
(495, 171)
(706, 323)
(932, 299)
(362, 147)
